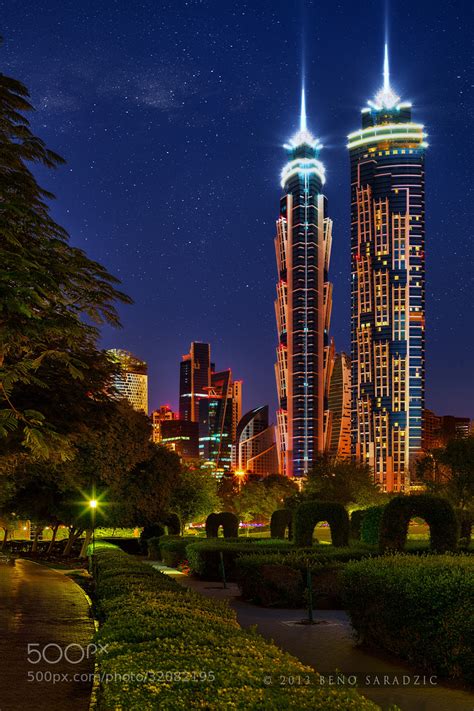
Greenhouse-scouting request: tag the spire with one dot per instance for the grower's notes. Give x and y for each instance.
(386, 70)
(303, 124)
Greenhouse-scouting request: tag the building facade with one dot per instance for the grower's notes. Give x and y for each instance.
(387, 158)
(132, 381)
(218, 420)
(163, 414)
(339, 425)
(254, 450)
(194, 379)
(303, 304)
(182, 436)
(438, 430)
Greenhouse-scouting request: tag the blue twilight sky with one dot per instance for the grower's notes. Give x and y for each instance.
(172, 116)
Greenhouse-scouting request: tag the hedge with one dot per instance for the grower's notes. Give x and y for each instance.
(437, 512)
(226, 519)
(204, 558)
(355, 523)
(280, 521)
(370, 526)
(157, 630)
(420, 608)
(281, 580)
(466, 521)
(310, 513)
(173, 544)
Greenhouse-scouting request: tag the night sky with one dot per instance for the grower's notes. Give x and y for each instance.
(172, 116)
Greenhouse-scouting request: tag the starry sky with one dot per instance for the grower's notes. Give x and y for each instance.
(172, 116)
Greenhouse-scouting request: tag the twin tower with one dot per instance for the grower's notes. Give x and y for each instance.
(387, 295)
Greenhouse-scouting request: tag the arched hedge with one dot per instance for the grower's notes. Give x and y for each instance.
(173, 524)
(281, 520)
(226, 519)
(437, 512)
(310, 513)
(466, 521)
(356, 523)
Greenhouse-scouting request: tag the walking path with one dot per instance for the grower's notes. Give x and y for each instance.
(40, 607)
(329, 646)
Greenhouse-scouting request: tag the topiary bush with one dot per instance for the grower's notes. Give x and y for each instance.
(370, 527)
(356, 522)
(420, 608)
(437, 512)
(204, 558)
(156, 629)
(310, 513)
(280, 521)
(154, 531)
(466, 521)
(226, 519)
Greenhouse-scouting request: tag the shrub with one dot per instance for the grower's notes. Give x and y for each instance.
(465, 520)
(355, 523)
(437, 512)
(279, 522)
(370, 528)
(148, 532)
(310, 513)
(205, 558)
(280, 580)
(226, 519)
(156, 546)
(152, 623)
(418, 607)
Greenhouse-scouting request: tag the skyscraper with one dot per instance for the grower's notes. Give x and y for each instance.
(339, 429)
(255, 449)
(194, 379)
(163, 414)
(388, 286)
(303, 304)
(132, 381)
(217, 416)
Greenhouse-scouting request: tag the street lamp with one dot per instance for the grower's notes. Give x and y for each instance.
(240, 477)
(93, 506)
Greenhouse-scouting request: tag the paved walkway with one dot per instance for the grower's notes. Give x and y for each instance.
(329, 646)
(39, 607)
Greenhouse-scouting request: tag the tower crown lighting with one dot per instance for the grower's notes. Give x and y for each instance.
(385, 98)
(303, 151)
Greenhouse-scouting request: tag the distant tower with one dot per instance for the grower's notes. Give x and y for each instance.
(194, 379)
(388, 286)
(132, 382)
(339, 436)
(218, 420)
(255, 449)
(303, 304)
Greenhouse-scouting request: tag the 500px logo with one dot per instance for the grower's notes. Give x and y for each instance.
(53, 653)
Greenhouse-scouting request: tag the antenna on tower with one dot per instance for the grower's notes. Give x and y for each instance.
(303, 124)
(386, 69)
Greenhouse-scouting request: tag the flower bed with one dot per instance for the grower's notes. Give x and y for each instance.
(170, 648)
(418, 607)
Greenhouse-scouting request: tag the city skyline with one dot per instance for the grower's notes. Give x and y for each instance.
(142, 251)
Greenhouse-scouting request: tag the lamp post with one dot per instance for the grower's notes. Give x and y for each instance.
(240, 477)
(93, 506)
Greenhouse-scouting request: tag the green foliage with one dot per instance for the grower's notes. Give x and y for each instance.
(436, 511)
(340, 480)
(152, 623)
(356, 523)
(258, 498)
(169, 549)
(205, 561)
(466, 521)
(280, 580)
(310, 513)
(52, 297)
(449, 472)
(280, 521)
(420, 608)
(194, 496)
(371, 522)
(226, 519)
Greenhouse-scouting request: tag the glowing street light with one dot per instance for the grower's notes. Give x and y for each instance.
(240, 477)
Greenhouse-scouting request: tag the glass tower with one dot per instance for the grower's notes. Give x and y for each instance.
(303, 304)
(388, 286)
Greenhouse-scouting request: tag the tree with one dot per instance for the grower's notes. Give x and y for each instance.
(194, 496)
(342, 481)
(52, 296)
(258, 499)
(449, 472)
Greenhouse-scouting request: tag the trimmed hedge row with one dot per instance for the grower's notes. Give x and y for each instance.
(280, 580)
(420, 608)
(310, 513)
(437, 512)
(226, 519)
(204, 558)
(154, 627)
(370, 525)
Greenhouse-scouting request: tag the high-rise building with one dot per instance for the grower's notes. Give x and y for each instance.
(438, 430)
(182, 436)
(132, 381)
(194, 379)
(217, 417)
(254, 450)
(339, 428)
(303, 304)
(163, 414)
(388, 286)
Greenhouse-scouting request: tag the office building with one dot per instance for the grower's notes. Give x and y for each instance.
(339, 426)
(132, 381)
(254, 450)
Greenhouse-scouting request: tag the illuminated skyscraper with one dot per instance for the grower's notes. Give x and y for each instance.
(254, 450)
(194, 380)
(132, 382)
(339, 428)
(303, 304)
(388, 286)
(217, 417)
(163, 414)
